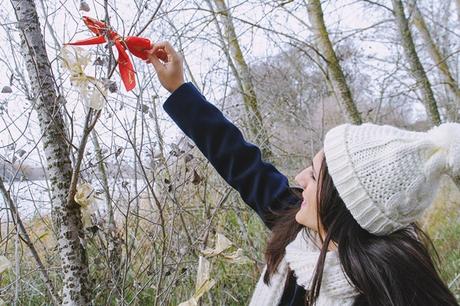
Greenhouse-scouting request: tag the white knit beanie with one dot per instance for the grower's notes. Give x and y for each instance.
(388, 176)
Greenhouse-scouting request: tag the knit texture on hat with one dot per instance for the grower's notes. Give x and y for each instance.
(387, 176)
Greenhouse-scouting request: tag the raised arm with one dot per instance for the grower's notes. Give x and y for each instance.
(259, 183)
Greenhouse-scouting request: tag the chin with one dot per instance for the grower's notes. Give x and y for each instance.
(297, 218)
(300, 218)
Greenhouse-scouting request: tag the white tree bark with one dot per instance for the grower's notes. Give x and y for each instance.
(457, 4)
(249, 94)
(437, 57)
(339, 83)
(417, 69)
(47, 103)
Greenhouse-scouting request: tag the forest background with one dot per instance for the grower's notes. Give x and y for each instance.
(104, 201)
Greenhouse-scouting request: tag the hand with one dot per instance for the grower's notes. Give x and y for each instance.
(168, 64)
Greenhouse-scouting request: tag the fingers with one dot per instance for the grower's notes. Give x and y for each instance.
(168, 64)
(165, 51)
(152, 58)
(162, 55)
(164, 45)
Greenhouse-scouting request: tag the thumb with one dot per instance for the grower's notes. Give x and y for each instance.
(152, 58)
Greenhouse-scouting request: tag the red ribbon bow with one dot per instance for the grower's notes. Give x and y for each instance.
(138, 46)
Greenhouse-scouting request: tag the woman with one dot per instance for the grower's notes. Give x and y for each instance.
(349, 238)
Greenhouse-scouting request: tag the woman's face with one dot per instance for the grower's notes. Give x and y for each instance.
(308, 180)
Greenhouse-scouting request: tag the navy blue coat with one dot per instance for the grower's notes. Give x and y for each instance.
(239, 163)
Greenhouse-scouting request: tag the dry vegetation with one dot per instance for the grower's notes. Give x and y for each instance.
(155, 203)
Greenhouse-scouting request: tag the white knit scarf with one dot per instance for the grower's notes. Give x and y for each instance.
(301, 257)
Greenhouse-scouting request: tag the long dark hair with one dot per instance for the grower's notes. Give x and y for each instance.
(395, 269)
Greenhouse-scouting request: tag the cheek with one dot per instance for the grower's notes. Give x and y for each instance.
(307, 215)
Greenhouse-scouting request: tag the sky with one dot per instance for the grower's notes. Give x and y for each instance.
(200, 51)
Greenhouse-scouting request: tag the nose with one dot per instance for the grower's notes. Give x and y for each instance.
(302, 178)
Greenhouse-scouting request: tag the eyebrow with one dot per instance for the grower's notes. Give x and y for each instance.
(313, 167)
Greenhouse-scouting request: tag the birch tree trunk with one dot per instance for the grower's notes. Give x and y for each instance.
(339, 83)
(437, 57)
(415, 65)
(457, 4)
(251, 103)
(47, 103)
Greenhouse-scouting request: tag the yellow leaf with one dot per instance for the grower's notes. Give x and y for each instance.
(222, 243)
(84, 195)
(205, 287)
(75, 60)
(237, 257)
(98, 97)
(92, 90)
(203, 272)
(203, 282)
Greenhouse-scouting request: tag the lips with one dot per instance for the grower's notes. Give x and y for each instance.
(304, 203)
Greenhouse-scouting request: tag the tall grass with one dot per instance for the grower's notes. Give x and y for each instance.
(442, 223)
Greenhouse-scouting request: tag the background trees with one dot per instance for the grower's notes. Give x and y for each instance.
(149, 203)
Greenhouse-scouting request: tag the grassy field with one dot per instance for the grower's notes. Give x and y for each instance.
(234, 281)
(442, 224)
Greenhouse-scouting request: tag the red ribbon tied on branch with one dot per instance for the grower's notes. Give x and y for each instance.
(138, 46)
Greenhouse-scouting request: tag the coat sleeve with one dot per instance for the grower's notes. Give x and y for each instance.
(239, 163)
